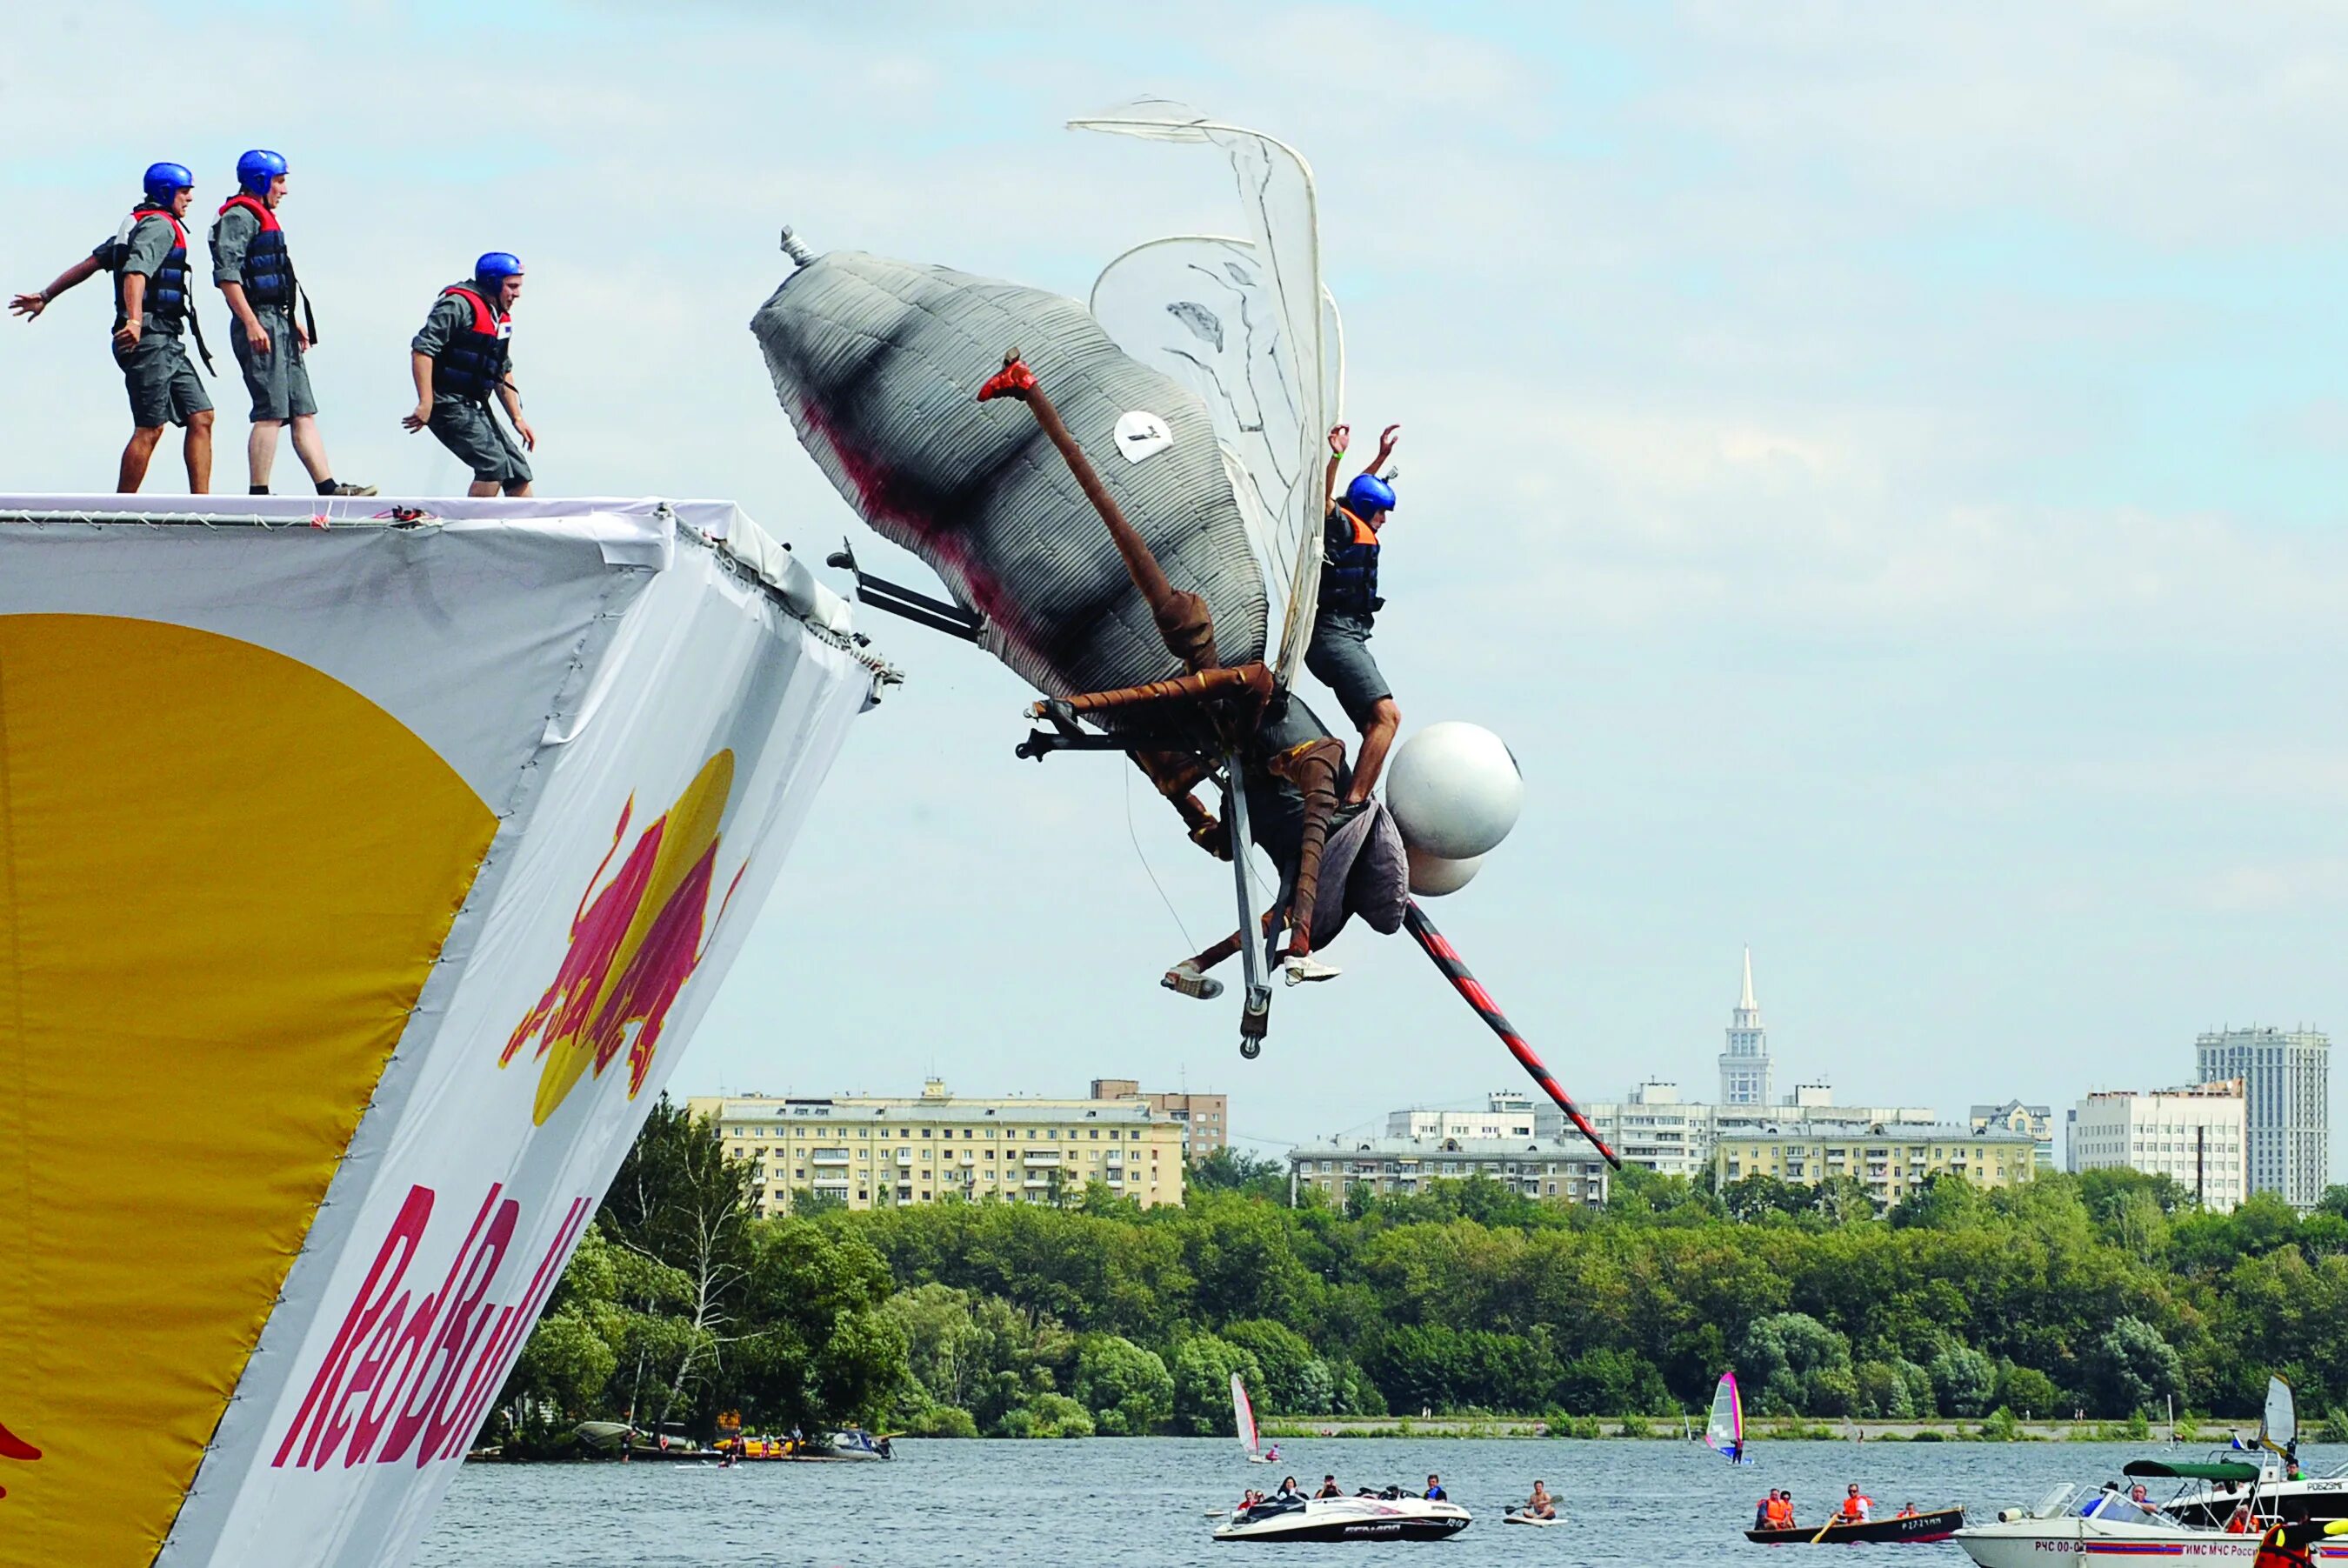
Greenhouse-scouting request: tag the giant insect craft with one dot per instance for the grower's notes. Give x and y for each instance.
(1144, 548)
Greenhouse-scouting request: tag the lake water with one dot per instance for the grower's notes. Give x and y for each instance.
(1076, 1503)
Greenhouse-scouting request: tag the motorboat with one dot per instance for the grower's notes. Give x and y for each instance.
(1363, 1518)
(847, 1443)
(1910, 1528)
(2107, 1522)
(2211, 1504)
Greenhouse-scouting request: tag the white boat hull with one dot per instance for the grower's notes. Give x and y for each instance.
(1350, 1519)
(2053, 1540)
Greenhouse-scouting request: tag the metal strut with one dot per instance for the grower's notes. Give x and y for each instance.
(1255, 1012)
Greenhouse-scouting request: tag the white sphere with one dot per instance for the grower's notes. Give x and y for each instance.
(1454, 790)
(1432, 876)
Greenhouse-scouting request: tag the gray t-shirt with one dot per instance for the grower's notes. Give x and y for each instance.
(142, 251)
(448, 316)
(231, 236)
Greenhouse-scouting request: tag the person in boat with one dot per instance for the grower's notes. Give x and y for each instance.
(1287, 1491)
(460, 361)
(1857, 1507)
(1435, 1492)
(1329, 1488)
(1541, 1505)
(148, 256)
(1781, 1517)
(254, 272)
(1907, 1511)
(1339, 654)
(1764, 1512)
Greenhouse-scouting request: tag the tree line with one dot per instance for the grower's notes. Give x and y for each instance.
(2108, 1294)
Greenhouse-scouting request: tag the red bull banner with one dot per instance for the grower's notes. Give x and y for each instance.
(362, 878)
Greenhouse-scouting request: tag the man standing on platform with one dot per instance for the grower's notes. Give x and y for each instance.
(254, 271)
(458, 360)
(149, 258)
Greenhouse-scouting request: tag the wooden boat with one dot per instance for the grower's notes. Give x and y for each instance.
(1936, 1525)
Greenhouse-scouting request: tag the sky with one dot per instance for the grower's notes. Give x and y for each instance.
(1879, 466)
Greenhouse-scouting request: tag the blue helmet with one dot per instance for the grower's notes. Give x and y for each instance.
(256, 169)
(1369, 493)
(165, 181)
(497, 264)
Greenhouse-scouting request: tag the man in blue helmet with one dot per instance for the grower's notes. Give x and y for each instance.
(1339, 654)
(254, 272)
(461, 360)
(148, 256)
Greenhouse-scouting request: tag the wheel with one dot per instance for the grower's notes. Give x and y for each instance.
(1251, 1050)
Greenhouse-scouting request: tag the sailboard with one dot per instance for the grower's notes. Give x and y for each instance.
(1243, 1419)
(1724, 1430)
(2279, 1422)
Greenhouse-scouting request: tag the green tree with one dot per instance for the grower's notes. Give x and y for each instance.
(2130, 1368)
(1963, 1380)
(1798, 1366)
(1127, 1388)
(1202, 1370)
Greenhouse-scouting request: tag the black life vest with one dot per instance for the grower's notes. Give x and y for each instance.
(473, 361)
(166, 291)
(268, 268)
(1349, 565)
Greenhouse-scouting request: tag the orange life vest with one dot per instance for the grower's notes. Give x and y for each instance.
(1855, 1508)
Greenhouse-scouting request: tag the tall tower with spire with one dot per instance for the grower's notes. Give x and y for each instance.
(1745, 1065)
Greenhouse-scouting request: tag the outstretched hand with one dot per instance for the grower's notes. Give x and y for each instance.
(1340, 438)
(29, 305)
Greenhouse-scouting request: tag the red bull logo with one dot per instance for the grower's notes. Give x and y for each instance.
(634, 945)
(13, 1447)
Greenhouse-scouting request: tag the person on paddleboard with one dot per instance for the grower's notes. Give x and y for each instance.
(1541, 1505)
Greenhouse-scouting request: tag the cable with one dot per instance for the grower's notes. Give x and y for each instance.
(1188, 944)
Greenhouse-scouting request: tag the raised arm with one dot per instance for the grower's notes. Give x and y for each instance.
(30, 306)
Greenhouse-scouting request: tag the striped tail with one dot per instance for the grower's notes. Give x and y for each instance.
(1455, 969)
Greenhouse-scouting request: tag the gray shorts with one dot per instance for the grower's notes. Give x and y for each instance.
(163, 382)
(1339, 657)
(278, 380)
(472, 432)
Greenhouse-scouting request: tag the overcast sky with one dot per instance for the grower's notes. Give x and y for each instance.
(1879, 466)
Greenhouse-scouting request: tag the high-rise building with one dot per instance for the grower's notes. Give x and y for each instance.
(2195, 1136)
(1205, 1117)
(1745, 1066)
(867, 1151)
(2288, 1075)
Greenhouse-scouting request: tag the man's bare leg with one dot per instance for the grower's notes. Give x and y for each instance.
(1377, 739)
(135, 459)
(199, 453)
(261, 452)
(483, 488)
(311, 448)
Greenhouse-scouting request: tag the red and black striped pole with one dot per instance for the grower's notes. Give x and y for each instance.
(1455, 969)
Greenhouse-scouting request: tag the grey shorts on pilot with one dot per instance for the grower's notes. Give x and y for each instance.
(163, 382)
(278, 380)
(1339, 658)
(472, 432)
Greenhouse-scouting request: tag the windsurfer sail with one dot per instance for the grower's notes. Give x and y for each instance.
(1244, 1417)
(2279, 1422)
(1724, 1430)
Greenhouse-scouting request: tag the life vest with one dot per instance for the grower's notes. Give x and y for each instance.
(1349, 565)
(166, 291)
(1855, 1508)
(268, 268)
(1781, 1514)
(473, 362)
(2274, 1552)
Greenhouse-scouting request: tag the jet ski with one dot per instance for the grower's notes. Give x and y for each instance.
(1363, 1518)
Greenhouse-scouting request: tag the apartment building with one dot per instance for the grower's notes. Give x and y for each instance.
(2198, 1136)
(1205, 1117)
(1889, 1159)
(1532, 1168)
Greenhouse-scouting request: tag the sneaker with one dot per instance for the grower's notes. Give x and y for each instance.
(352, 490)
(1300, 970)
(1188, 979)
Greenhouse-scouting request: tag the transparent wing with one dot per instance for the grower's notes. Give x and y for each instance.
(1274, 365)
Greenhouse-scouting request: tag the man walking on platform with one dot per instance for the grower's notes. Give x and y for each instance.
(149, 258)
(458, 360)
(254, 271)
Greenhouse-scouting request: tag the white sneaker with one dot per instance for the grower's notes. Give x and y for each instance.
(1300, 970)
(1188, 979)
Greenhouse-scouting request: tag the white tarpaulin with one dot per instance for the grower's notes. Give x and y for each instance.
(361, 885)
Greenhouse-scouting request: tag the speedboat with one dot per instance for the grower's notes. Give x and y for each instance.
(2212, 1503)
(1346, 1518)
(2107, 1523)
